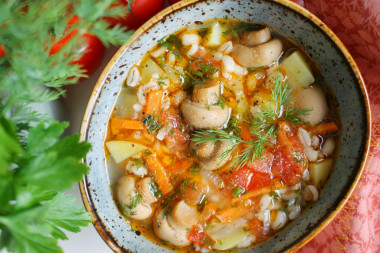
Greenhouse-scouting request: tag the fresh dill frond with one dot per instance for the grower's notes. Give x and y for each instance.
(268, 117)
(263, 127)
(213, 135)
(253, 150)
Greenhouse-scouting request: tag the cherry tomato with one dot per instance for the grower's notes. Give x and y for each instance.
(142, 11)
(173, 1)
(92, 46)
(2, 52)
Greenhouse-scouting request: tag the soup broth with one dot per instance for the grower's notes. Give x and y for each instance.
(224, 132)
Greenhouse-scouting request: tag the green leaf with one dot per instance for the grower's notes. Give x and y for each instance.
(77, 149)
(24, 232)
(9, 145)
(49, 171)
(40, 138)
(64, 213)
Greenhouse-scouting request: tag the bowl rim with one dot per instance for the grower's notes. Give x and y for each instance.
(86, 198)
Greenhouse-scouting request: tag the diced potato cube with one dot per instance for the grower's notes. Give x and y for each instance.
(231, 240)
(214, 38)
(121, 150)
(319, 171)
(148, 68)
(298, 71)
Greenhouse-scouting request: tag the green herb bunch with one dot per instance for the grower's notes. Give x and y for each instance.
(36, 163)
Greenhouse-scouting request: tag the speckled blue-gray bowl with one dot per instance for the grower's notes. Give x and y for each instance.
(336, 64)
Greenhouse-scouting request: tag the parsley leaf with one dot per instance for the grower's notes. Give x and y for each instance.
(173, 44)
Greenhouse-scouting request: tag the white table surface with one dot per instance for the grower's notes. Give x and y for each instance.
(75, 102)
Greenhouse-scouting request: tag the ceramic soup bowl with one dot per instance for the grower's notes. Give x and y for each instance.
(337, 66)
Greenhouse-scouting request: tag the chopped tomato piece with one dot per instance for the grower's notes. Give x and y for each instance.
(248, 179)
(175, 139)
(290, 161)
(197, 236)
(205, 58)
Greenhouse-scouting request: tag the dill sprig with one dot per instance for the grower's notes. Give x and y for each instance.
(266, 120)
(253, 149)
(263, 127)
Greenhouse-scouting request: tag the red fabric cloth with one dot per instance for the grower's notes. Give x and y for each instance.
(357, 227)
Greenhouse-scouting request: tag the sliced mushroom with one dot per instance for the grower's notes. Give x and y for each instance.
(196, 191)
(257, 56)
(144, 188)
(206, 93)
(312, 99)
(216, 160)
(127, 195)
(202, 117)
(163, 230)
(183, 215)
(253, 38)
(203, 150)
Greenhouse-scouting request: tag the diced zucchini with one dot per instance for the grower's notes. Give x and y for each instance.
(121, 150)
(297, 70)
(172, 74)
(214, 37)
(124, 105)
(231, 240)
(148, 68)
(319, 171)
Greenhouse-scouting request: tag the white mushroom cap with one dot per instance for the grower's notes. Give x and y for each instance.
(163, 230)
(125, 195)
(206, 93)
(144, 188)
(202, 117)
(312, 98)
(214, 161)
(253, 38)
(257, 56)
(183, 215)
(203, 150)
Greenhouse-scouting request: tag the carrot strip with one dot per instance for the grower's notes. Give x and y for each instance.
(148, 138)
(159, 173)
(180, 165)
(253, 194)
(153, 101)
(329, 127)
(227, 215)
(118, 125)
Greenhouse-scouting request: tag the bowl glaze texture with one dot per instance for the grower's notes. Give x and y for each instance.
(337, 66)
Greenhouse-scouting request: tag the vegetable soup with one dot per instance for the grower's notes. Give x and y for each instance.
(225, 132)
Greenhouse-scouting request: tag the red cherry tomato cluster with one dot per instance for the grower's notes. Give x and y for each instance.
(139, 12)
(92, 46)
